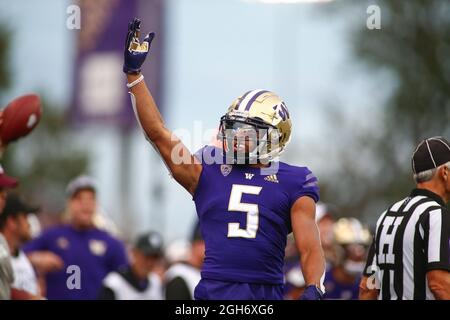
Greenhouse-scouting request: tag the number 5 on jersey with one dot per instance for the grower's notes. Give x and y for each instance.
(251, 209)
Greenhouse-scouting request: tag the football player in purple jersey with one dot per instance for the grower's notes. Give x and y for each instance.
(247, 201)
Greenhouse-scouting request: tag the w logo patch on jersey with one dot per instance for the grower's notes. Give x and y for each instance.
(272, 178)
(249, 176)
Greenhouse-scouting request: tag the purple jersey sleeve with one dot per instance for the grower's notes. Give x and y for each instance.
(39, 243)
(304, 183)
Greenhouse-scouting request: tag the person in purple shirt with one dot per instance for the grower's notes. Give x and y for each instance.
(75, 257)
(247, 201)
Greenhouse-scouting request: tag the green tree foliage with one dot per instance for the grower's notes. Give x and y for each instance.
(413, 46)
(4, 67)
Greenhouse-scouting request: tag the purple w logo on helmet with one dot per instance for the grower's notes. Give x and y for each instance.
(282, 111)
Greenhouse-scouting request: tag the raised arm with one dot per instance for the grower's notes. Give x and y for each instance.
(180, 162)
(307, 239)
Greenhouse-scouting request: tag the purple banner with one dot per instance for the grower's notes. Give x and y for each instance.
(100, 94)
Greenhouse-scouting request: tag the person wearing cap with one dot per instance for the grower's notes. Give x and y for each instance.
(75, 257)
(182, 277)
(409, 256)
(100, 218)
(6, 271)
(15, 228)
(138, 281)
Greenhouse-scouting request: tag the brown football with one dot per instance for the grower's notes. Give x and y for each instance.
(20, 117)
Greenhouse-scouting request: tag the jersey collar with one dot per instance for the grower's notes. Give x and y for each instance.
(429, 194)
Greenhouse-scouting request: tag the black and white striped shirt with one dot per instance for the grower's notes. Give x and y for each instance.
(411, 238)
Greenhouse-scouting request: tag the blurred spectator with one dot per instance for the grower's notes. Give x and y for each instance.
(75, 257)
(182, 277)
(6, 271)
(177, 251)
(325, 214)
(15, 228)
(351, 242)
(100, 218)
(294, 280)
(137, 281)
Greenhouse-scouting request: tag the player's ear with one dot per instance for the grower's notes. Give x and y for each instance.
(444, 173)
(446, 177)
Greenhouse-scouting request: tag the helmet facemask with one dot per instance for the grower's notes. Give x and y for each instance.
(248, 140)
(256, 128)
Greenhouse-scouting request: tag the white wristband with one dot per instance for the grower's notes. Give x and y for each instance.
(135, 82)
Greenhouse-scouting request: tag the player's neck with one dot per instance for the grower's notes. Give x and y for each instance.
(259, 165)
(82, 227)
(138, 274)
(436, 188)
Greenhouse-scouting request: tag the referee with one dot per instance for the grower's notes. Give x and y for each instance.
(409, 256)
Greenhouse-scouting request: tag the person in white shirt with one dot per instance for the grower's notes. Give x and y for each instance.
(6, 272)
(137, 281)
(182, 277)
(16, 230)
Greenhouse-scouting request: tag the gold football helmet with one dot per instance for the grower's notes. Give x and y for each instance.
(256, 128)
(351, 231)
(352, 239)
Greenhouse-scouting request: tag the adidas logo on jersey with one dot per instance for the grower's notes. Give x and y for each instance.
(272, 178)
(249, 176)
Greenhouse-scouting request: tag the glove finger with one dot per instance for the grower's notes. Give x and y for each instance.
(133, 29)
(136, 25)
(129, 39)
(149, 38)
